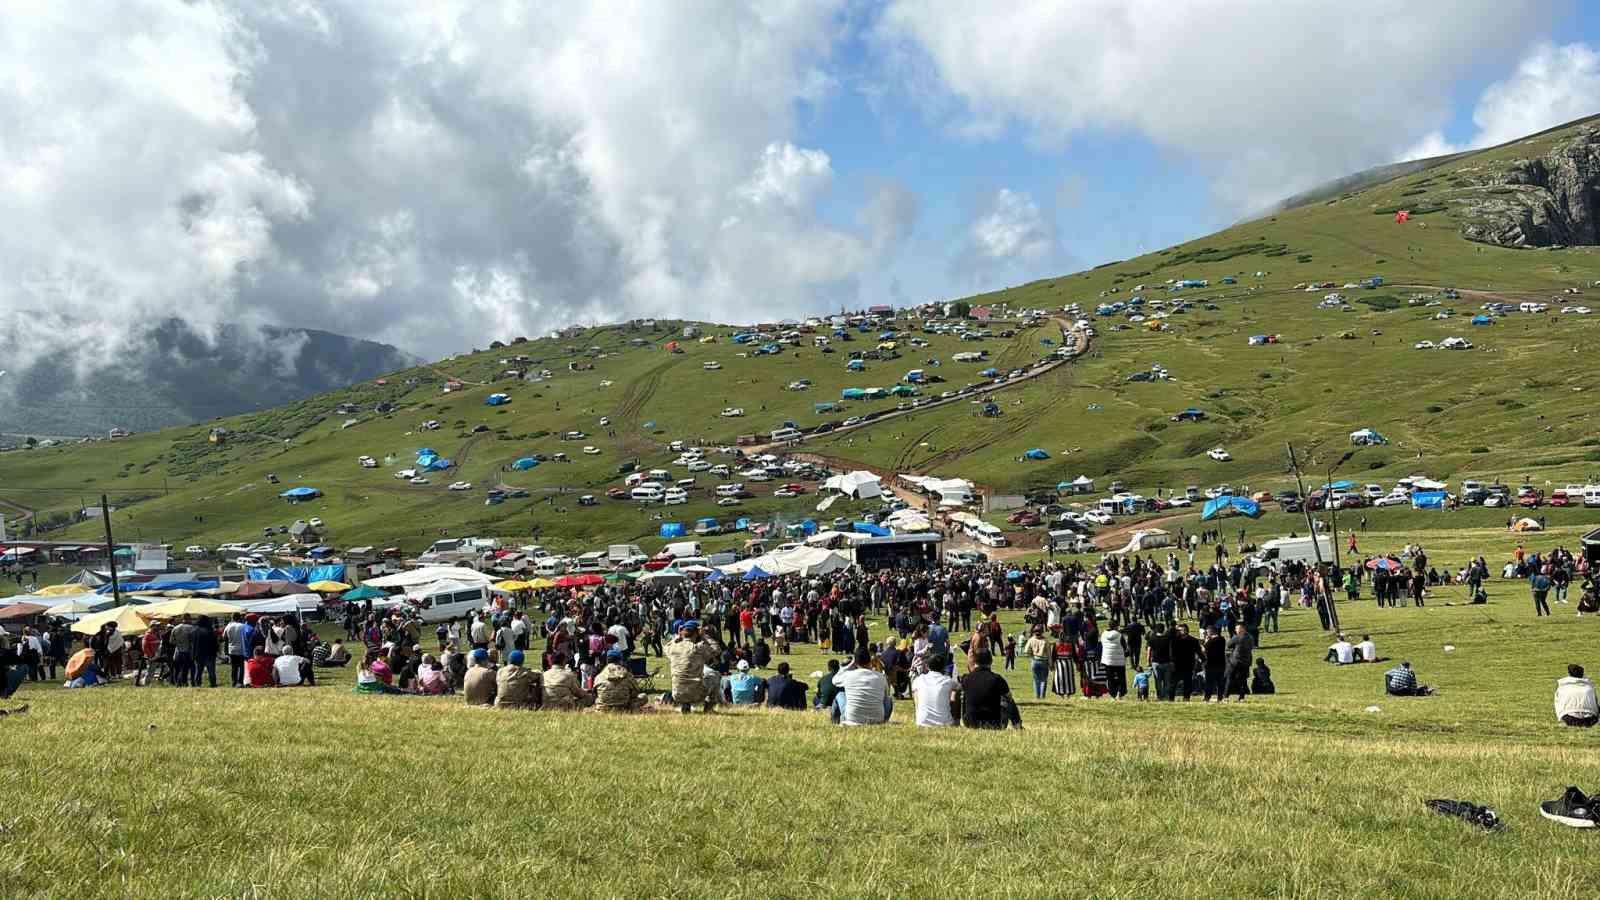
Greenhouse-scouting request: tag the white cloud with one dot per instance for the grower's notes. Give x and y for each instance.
(890, 213)
(1266, 97)
(1011, 228)
(1552, 85)
(434, 174)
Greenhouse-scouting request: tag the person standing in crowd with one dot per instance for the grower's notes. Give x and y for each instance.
(1214, 654)
(1539, 586)
(1038, 650)
(204, 647)
(1241, 650)
(235, 639)
(1113, 657)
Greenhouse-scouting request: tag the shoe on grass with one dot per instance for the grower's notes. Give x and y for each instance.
(1572, 808)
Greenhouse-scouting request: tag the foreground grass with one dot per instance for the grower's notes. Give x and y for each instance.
(325, 793)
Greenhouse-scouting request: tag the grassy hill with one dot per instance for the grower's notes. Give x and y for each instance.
(1512, 407)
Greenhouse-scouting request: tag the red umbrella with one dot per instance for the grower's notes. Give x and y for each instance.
(579, 581)
(1388, 563)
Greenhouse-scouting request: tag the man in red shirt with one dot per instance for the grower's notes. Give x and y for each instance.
(149, 649)
(747, 625)
(258, 671)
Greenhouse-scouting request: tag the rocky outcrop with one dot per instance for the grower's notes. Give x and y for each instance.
(1553, 200)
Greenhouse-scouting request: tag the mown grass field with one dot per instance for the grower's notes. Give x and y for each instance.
(321, 792)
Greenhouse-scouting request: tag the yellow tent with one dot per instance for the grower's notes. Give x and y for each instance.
(540, 584)
(60, 590)
(125, 616)
(326, 587)
(513, 585)
(186, 606)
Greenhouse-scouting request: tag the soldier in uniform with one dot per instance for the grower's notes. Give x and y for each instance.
(518, 687)
(688, 655)
(562, 688)
(615, 689)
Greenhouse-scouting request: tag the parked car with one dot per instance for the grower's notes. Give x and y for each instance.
(418, 479)
(1219, 454)
(459, 486)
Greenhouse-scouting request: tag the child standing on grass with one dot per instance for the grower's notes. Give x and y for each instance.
(1141, 682)
(780, 636)
(1011, 651)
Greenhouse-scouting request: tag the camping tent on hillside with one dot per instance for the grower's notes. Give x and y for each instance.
(671, 530)
(1146, 539)
(1482, 320)
(1083, 484)
(1035, 453)
(297, 494)
(1367, 437)
(524, 464)
(1223, 506)
(497, 400)
(429, 460)
(861, 485)
(1526, 524)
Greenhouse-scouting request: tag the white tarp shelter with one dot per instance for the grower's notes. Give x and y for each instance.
(801, 560)
(903, 521)
(1146, 539)
(428, 575)
(832, 538)
(861, 485)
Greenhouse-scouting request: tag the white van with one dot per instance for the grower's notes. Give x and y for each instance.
(730, 489)
(550, 566)
(963, 558)
(1067, 541)
(1112, 507)
(675, 496)
(449, 600)
(1295, 549)
(1591, 495)
(594, 561)
(625, 555)
(786, 434)
(633, 479)
(660, 475)
(681, 549)
(988, 535)
(647, 493)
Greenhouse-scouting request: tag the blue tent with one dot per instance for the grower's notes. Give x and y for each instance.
(1340, 485)
(756, 573)
(741, 524)
(716, 575)
(496, 400)
(808, 526)
(869, 528)
(708, 522)
(1428, 500)
(320, 551)
(1036, 453)
(301, 493)
(855, 365)
(432, 463)
(524, 464)
(426, 451)
(1014, 575)
(1482, 320)
(1229, 505)
(989, 373)
(671, 529)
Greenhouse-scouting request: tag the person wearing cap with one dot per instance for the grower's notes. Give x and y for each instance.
(743, 689)
(615, 689)
(562, 689)
(479, 685)
(688, 655)
(517, 686)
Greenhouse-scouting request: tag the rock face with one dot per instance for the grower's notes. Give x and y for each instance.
(1553, 200)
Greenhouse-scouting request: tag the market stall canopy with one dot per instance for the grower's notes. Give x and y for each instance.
(160, 585)
(186, 606)
(329, 587)
(567, 581)
(128, 621)
(77, 605)
(364, 592)
(513, 585)
(21, 610)
(273, 588)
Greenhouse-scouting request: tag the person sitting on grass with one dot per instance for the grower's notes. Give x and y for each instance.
(334, 655)
(1261, 679)
(986, 697)
(743, 688)
(1341, 652)
(615, 689)
(784, 692)
(479, 684)
(935, 694)
(1367, 650)
(259, 671)
(1400, 681)
(1575, 699)
(864, 697)
(372, 676)
(431, 679)
(562, 688)
(517, 686)
(292, 670)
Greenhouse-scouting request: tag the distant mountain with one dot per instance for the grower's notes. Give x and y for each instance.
(177, 378)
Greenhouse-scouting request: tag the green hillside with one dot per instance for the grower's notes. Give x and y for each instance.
(1511, 407)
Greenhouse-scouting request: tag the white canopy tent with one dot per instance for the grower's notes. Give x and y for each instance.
(429, 575)
(832, 538)
(902, 521)
(1146, 539)
(801, 561)
(950, 491)
(860, 484)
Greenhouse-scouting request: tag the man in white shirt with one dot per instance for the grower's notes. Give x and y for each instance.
(1341, 652)
(1114, 657)
(287, 669)
(933, 691)
(1367, 649)
(864, 693)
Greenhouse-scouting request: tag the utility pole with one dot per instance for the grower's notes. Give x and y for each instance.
(111, 551)
(1316, 545)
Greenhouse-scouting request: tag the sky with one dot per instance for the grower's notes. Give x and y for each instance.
(437, 174)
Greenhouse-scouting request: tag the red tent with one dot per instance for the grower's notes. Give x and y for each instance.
(579, 581)
(1403, 215)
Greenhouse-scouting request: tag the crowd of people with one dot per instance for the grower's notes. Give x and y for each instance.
(1140, 625)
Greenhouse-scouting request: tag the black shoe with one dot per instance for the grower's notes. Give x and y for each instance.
(1481, 816)
(1573, 809)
